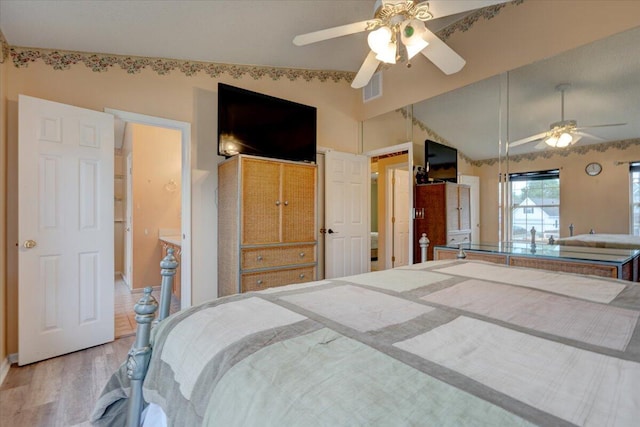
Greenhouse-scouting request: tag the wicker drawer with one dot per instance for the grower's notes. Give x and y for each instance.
(269, 279)
(277, 256)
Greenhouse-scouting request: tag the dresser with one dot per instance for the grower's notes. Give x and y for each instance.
(266, 223)
(443, 212)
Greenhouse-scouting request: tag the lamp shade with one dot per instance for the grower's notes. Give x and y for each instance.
(564, 140)
(379, 39)
(559, 139)
(411, 32)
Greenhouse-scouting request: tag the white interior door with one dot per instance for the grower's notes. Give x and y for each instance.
(347, 188)
(128, 225)
(65, 208)
(474, 203)
(399, 218)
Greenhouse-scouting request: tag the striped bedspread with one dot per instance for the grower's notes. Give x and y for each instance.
(613, 241)
(440, 343)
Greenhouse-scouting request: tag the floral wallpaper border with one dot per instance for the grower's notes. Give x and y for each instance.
(98, 62)
(564, 152)
(4, 48)
(546, 154)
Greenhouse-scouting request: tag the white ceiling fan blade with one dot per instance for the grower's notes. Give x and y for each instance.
(541, 145)
(447, 7)
(527, 139)
(600, 126)
(369, 66)
(588, 135)
(330, 33)
(441, 55)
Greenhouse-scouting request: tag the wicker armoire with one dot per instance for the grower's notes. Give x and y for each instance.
(266, 223)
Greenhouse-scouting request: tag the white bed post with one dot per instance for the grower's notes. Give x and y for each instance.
(424, 242)
(139, 355)
(168, 267)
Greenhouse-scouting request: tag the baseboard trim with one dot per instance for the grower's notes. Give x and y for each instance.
(6, 365)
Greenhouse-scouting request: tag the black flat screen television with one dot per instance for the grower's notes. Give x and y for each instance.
(442, 162)
(262, 125)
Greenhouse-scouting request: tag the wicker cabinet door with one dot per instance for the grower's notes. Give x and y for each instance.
(260, 201)
(299, 203)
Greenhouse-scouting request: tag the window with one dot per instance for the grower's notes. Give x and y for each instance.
(634, 173)
(535, 203)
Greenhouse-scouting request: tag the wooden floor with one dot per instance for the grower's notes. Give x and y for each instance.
(60, 392)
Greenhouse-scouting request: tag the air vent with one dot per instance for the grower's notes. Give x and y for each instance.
(373, 89)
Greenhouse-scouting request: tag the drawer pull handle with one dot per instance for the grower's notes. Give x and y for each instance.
(302, 275)
(286, 203)
(277, 202)
(259, 282)
(259, 258)
(301, 254)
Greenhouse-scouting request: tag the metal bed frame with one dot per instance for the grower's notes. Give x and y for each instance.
(140, 353)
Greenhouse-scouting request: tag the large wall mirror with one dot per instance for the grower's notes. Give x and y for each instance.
(499, 125)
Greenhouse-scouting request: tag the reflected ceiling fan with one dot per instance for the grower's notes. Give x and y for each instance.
(398, 33)
(563, 133)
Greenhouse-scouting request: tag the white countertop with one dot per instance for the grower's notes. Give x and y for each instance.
(173, 240)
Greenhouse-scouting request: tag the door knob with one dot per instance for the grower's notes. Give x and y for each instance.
(29, 244)
(330, 231)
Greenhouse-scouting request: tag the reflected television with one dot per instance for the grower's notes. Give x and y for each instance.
(442, 162)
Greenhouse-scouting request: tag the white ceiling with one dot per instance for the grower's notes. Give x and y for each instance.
(234, 32)
(604, 89)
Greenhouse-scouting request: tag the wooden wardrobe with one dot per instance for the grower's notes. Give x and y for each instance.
(266, 223)
(443, 212)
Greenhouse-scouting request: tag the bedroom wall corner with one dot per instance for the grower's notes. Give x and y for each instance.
(4, 63)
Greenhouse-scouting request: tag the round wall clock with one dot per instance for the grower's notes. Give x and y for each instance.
(593, 169)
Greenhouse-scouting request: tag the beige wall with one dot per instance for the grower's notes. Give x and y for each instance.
(178, 97)
(513, 38)
(156, 161)
(3, 205)
(601, 202)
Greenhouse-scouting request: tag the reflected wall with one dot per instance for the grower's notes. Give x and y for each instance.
(483, 120)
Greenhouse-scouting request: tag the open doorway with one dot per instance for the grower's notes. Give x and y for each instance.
(391, 203)
(177, 187)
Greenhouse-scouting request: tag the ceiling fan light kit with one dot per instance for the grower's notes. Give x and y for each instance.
(563, 133)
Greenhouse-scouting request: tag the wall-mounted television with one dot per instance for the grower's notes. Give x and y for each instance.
(442, 162)
(263, 125)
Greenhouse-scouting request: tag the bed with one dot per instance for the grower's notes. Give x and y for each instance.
(602, 240)
(450, 342)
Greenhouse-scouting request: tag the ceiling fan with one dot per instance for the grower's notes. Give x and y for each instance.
(563, 133)
(398, 33)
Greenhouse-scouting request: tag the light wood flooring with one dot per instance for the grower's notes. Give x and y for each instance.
(61, 392)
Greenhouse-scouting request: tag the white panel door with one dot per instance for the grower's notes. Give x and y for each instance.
(474, 203)
(128, 225)
(65, 206)
(401, 208)
(347, 188)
